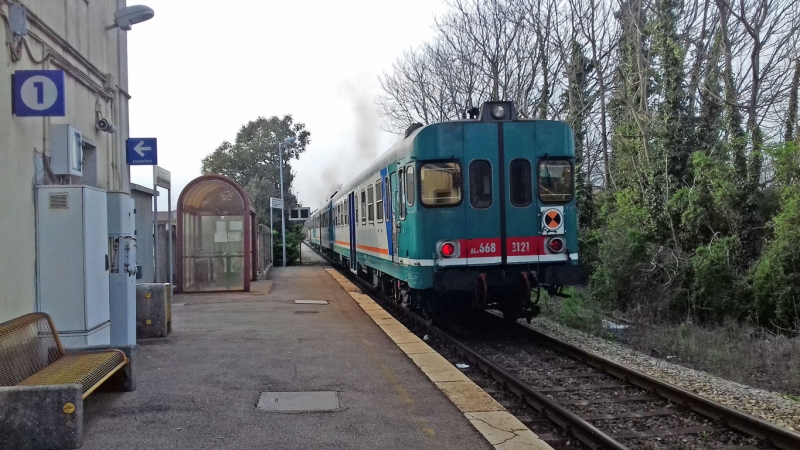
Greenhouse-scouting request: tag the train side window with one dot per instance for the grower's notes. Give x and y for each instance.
(480, 184)
(346, 212)
(378, 201)
(440, 184)
(370, 204)
(556, 184)
(520, 181)
(410, 185)
(402, 193)
(363, 207)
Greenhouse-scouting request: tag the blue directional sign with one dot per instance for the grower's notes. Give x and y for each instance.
(141, 151)
(39, 93)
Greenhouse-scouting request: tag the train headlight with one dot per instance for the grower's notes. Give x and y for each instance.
(556, 245)
(498, 111)
(448, 249)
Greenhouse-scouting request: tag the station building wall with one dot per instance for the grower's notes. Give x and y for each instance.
(74, 32)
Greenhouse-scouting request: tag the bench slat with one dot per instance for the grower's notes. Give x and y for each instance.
(85, 369)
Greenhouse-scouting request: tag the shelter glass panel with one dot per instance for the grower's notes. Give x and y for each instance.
(214, 238)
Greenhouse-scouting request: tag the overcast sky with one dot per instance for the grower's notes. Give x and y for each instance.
(200, 70)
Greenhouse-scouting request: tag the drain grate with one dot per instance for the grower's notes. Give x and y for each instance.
(299, 401)
(311, 302)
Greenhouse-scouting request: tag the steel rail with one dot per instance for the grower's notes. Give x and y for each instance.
(752, 426)
(579, 428)
(560, 415)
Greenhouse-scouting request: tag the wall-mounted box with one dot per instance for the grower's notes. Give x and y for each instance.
(66, 150)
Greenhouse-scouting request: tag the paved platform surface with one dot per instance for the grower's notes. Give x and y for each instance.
(198, 388)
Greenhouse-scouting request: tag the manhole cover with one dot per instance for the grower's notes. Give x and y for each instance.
(299, 401)
(311, 302)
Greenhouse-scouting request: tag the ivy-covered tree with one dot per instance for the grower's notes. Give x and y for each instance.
(252, 159)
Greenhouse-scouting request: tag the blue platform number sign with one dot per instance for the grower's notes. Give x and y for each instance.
(39, 93)
(142, 151)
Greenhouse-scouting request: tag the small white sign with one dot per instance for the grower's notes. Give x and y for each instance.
(162, 177)
(275, 203)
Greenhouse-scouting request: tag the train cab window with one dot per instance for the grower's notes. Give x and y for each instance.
(520, 182)
(410, 185)
(378, 201)
(370, 204)
(555, 181)
(363, 207)
(480, 183)
(440, 184)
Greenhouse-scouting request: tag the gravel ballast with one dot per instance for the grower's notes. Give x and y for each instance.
(759, 403)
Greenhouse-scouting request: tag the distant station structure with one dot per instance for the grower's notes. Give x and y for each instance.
(217, 236)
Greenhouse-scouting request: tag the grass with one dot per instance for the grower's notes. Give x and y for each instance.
(738, 352)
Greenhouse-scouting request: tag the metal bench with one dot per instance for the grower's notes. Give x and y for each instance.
(42, 385)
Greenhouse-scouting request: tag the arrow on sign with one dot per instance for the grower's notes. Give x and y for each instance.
(140, 149)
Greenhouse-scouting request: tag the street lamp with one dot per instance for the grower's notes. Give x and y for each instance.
(281, 145)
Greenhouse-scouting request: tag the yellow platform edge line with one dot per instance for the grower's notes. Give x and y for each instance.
(499, 427)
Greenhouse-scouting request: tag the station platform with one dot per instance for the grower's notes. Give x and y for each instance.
(201, 388)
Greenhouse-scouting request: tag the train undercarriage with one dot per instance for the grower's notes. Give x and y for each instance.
(513, 290)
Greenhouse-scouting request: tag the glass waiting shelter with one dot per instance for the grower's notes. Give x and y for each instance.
(216, 236)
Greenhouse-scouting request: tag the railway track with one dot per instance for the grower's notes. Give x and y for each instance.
(591, 399)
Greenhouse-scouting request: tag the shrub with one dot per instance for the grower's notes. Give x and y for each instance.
(776, 276)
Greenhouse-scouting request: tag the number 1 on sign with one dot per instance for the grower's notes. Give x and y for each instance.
(39, 86)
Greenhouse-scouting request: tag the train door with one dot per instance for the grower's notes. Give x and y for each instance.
(351, 213)
(395, 214)
(523, 243)
(331, 236)
(483, 211)
(386, 195)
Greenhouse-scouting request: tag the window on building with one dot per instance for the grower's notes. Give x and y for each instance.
(410, 185)
(555, 181)
(519, 175)
(363, 207)
(378, 201)
(440, 184)
(480, 184)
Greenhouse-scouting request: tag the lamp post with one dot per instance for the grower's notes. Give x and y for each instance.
(281, 145)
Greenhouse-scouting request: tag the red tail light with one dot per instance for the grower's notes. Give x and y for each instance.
(556, 245)
(448, 249)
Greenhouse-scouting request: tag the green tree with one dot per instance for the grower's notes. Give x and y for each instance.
(252, 160)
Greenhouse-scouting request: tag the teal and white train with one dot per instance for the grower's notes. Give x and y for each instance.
(473, 213)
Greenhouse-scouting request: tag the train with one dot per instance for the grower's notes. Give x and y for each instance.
(463, 215)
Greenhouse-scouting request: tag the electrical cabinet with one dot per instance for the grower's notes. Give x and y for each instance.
(72, 262)
(66, 150)
(122, 273)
